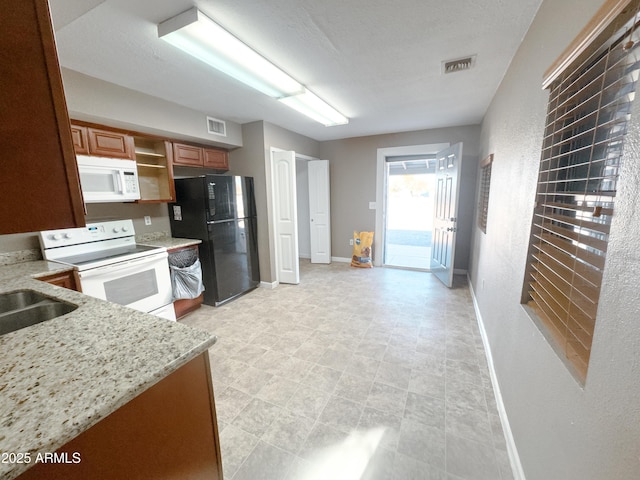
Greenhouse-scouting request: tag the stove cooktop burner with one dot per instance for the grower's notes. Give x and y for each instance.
(84, 261)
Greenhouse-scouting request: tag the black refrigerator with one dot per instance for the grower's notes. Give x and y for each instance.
(220, 210)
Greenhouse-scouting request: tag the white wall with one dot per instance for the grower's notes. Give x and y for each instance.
(562, 430)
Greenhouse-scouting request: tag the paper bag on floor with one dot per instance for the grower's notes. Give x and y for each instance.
(362, 243)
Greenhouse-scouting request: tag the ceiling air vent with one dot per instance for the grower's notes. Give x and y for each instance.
(216, 126)
(458, 65)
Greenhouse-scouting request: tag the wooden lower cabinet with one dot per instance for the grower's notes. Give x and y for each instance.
(185, 306)
(63, 279)
(169, 431)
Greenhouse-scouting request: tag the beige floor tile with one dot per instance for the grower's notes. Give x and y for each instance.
(377, 370)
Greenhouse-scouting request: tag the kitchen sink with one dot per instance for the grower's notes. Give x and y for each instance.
(23, 308)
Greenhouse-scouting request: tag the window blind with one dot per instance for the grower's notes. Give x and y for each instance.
(485, 184)
(589, 106)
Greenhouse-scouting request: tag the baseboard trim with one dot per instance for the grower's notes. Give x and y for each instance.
(460, 271)
(270, 285)
(341, 259)
(512, 450)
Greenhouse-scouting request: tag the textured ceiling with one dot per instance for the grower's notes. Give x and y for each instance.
(376, 61)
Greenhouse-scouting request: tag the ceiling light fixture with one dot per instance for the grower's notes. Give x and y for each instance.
(309, 104)
(199, 36)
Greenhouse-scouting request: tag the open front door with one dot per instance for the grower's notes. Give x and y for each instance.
(319, 211)
(283, 171)
(445, 213)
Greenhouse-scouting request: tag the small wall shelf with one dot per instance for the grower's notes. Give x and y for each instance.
(155, 171)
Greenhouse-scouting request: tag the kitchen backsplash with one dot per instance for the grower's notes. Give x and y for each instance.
(20, 256)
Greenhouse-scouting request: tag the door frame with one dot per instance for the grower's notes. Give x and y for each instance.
(381, 188)
(271, 210)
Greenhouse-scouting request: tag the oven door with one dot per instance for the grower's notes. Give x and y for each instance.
(143, 283)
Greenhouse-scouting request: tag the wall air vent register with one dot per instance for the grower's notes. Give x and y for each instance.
(216, 126)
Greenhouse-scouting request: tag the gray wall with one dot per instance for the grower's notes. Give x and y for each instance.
(353, 182)
(562, 430)
(95, 100)
(252, 160)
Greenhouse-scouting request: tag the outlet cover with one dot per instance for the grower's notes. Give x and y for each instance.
(147, 220)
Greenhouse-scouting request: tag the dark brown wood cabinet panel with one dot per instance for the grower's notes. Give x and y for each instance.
(218, 159)
(187, 155)
(62, 279)
(170, 431)
(80, 139)
(39, 182)
(106, 143)
(185, 306)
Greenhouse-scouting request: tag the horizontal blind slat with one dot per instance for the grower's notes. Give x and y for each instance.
(574, 235)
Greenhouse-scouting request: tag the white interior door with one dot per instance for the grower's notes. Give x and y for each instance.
(445, 213)
(320, 211)
(283, 171)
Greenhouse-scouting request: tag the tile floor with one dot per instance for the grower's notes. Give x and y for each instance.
(354, 374)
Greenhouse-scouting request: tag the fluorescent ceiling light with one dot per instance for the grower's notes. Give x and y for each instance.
(199, 36)
(314, 107)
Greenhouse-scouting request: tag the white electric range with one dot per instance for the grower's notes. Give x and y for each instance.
(112, 266)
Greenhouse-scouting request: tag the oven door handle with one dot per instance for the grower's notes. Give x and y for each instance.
(116, 267)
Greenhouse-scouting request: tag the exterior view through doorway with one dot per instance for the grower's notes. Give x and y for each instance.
(409, 196)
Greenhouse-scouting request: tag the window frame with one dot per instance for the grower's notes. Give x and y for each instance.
(484, 192)
(562, 231)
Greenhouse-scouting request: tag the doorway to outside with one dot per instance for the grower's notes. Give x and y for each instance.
(409, 196)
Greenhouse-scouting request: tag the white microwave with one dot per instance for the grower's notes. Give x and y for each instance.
(108, 179)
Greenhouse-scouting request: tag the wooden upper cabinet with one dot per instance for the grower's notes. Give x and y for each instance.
(218, 159)
(105, 143)
(39, 180)
(187, 155)
(80, 139)
(192, 156)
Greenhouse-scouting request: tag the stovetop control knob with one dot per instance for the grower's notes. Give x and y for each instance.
(125, 229)
(116, 229)
(56, 236)
(68, 235)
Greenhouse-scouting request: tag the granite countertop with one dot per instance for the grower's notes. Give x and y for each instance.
(60, 377)
(170, 242)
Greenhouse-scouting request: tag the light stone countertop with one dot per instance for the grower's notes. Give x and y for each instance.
(171, 242)
(60, 377)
